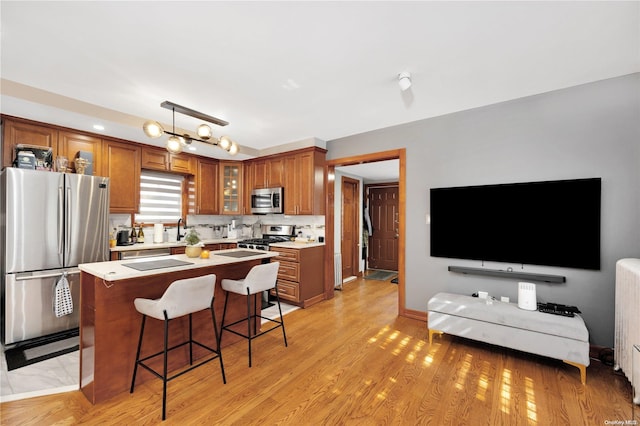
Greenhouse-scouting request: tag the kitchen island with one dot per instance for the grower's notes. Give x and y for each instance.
(110, 324)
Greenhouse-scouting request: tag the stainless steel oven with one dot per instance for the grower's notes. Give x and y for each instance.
(270, 234)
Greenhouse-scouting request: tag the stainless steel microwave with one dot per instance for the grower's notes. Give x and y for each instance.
(267, 200)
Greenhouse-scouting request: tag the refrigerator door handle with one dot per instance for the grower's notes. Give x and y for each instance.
(60, 219)
(67, 226)
(30, 276)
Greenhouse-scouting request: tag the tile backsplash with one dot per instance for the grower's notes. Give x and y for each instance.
(310, 226)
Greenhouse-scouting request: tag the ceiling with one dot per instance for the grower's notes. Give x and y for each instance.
(298, 72)
(379, 171)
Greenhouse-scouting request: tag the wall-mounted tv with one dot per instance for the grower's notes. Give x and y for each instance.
(554, 223)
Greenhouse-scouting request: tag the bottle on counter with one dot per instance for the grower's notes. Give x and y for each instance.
(112, 238)
(134, 234)
(140, 235)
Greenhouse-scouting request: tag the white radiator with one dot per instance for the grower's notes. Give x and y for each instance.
(627, 318)
(337, 270)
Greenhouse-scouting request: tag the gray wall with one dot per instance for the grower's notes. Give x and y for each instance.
(591, 130)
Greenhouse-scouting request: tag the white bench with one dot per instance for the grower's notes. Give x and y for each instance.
(504, 324)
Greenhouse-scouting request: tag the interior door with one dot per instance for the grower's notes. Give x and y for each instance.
(350, 226)
(383, 243)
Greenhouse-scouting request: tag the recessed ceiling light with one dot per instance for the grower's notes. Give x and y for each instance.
(191, 148)
(290, 85)
(98, 126)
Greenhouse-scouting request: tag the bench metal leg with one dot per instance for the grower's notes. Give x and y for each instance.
(432, 332)
(582, 368)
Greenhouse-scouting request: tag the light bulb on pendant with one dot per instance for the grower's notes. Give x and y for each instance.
(153, 129)
(233, 149)
(174, 145)
(204, 132)
(224, 142)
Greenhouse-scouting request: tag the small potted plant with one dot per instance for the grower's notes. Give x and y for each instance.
(194, 246)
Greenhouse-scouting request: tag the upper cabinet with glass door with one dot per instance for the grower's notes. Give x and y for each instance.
(231, 187)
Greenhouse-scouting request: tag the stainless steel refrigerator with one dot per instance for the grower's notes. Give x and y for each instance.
(50, 223)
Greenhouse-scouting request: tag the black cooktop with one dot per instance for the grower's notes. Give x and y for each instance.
(266, 240)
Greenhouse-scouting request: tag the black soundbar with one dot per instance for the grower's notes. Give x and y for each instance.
(530, 276)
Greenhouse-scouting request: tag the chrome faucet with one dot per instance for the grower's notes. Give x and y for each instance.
(179, 236)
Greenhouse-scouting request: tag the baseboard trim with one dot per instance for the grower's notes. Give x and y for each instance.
(413, 314)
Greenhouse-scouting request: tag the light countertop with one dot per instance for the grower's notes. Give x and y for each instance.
(296, 245)
(151, 246)
(115, 270)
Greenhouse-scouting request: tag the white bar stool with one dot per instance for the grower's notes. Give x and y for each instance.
(260, 278)
(182, 297)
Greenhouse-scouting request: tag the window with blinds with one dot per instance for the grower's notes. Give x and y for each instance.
(160, 197)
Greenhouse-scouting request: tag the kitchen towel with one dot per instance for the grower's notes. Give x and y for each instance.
(158, 231)
(63, 303)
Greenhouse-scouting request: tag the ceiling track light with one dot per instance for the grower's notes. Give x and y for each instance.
(154, 129)
(404, 80)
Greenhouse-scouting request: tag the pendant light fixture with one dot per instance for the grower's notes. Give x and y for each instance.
(176, 142)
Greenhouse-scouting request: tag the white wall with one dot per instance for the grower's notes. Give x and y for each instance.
(591, 130)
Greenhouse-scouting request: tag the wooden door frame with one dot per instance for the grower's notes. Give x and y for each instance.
(330, 166)
(357, 252)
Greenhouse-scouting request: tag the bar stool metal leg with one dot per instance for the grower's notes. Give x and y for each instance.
(135, 366)
(249, 324)
(284, 334)
(164, 375)
(215, 330)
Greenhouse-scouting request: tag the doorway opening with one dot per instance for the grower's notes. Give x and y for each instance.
(330, 240)
(381, 210)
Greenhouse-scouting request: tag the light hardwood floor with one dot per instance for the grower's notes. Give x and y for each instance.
(353, 361)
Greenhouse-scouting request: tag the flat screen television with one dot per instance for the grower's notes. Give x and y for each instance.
(553, 223)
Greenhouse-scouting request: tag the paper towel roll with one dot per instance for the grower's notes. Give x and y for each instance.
(157, 232)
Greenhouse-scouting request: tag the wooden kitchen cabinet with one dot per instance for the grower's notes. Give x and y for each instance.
(226, 246)
(181, 163)
(16, 131)
(154, 159)
(259, 174)
(70, 143)
(206, 187)
(267, 173)
(247, 168)
(301, 275)
(160, 159)
(231, 175)
(304, 189)
(211, 247)
(121, 163)
(275, 172)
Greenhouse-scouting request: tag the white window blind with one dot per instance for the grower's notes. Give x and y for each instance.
(160, 197)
